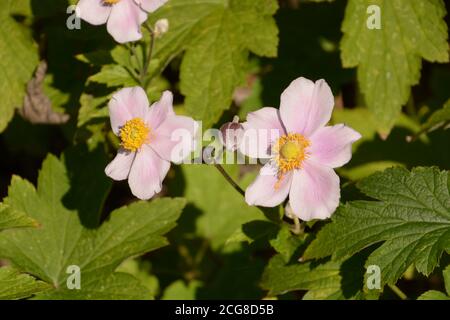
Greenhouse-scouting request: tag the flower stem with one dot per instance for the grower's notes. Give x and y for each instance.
(398, 292)
(297, 229)
(146, 66)
(229, 179)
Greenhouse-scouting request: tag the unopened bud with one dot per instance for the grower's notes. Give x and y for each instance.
(161, 27)
(232, 134)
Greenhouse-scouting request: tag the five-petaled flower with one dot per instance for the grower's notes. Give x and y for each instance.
(301, 151)
(151, 138)
(123, 17)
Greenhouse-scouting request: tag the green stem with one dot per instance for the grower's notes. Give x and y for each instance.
(297, 226)
(415, 136)
(410, 107)
(201, 252)
(398, 292)
(144, 70)
(229, 179)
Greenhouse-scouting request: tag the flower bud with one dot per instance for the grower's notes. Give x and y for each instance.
(161, 27)
(232, 134)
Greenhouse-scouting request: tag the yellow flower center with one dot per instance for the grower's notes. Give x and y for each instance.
(134, 134)
(110, 2)
(290, 151)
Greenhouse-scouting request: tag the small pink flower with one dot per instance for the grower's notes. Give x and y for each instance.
(151, 138)
(301, 151)
(123, 17)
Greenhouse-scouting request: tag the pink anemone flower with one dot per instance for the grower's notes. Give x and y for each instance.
(151, 138)
(123, 17)
(300, 150)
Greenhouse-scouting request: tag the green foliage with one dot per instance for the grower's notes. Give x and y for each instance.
(142, 271)
(181, 291)
(389, 59)
(328, 280)
(223, 208)
(286, 244)
(412, 220)
(91, 108)
(13, 284)
(10, 218)
(114, 76)
(217, 36)
(222, 58)
(68, 208)
(16, 285)
(18, 60)
(440, 118)
(437, 295)
(434, 295)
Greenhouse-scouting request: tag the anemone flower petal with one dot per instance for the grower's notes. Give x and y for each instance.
(306, 106)
(315, 191)
(147, 173)
(127, 104)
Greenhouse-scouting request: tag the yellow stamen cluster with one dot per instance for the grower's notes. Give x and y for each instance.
(134, 134)
(110, 2)
(290, 152)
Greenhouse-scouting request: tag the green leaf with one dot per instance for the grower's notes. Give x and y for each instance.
(254, 230)
(18, 60)
(141, 269)
(114, 76)
(217, 36)
(411, 222)
(433, 295)
(446, 275)
(67, 203)
(437, 295)
(16, 285)
(96, 58)
(179, 290)
(10, 218)
(389, 59)
(329, 280)
(119, 66)
(438, 119)
(13, 284)
(91, 108)
(223, 209)
(116, 286)
(286, 243)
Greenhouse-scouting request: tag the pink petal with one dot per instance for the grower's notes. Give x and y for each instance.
(119, 168)
(262, 129)
(266, 190)
(160, 110)
(174, 140)
(93, 11)
(147, 173)
(127, 104)
(315, 192)
(151, 5)
(306, 106)
(332, 146)
(124, 23)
